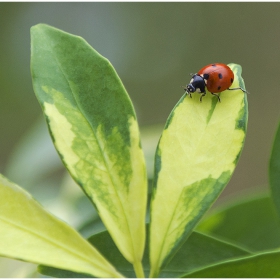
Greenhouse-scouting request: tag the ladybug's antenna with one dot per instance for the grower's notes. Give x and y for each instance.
(186, 91)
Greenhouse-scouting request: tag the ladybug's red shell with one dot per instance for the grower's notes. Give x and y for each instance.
(218, 77)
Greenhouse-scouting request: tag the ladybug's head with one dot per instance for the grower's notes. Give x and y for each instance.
(190, 88)
(197, 84)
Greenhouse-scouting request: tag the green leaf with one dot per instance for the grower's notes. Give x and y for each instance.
(259, 266)
(237, 223)
(94, 129)
(30, 233)
(60, 273)
(104, 244)
(197, 252)
(195, 158)
(274, 170)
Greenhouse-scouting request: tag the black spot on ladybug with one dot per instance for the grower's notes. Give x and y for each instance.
(231, 80)
(220, 76)
(219, 87)
(206, 76)
(214, 65)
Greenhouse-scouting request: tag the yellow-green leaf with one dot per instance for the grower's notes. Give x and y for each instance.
(195, 158)
(30, 233)
(94, 129)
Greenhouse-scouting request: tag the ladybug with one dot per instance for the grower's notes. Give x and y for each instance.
(215, 77)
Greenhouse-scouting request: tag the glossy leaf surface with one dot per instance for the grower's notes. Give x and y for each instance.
(195, 158)
(94, 129)
(30, 233)
(259, 266)
(251, 223)
(199, 251)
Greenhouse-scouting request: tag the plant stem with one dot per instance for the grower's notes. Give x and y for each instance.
(138, 268)
(153, 274)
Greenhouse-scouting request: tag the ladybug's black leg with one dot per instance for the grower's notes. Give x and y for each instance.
(217, 96)
(238, 88)
(202, 94)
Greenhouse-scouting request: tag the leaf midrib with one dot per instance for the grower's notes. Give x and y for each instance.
(51, 241)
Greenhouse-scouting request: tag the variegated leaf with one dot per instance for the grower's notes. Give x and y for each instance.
(196, 156)
(94, 129)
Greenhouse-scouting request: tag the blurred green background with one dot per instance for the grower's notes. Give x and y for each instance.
(154, 47)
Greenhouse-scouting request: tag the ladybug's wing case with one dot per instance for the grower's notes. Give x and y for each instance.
(219, 77)
(216, 84)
